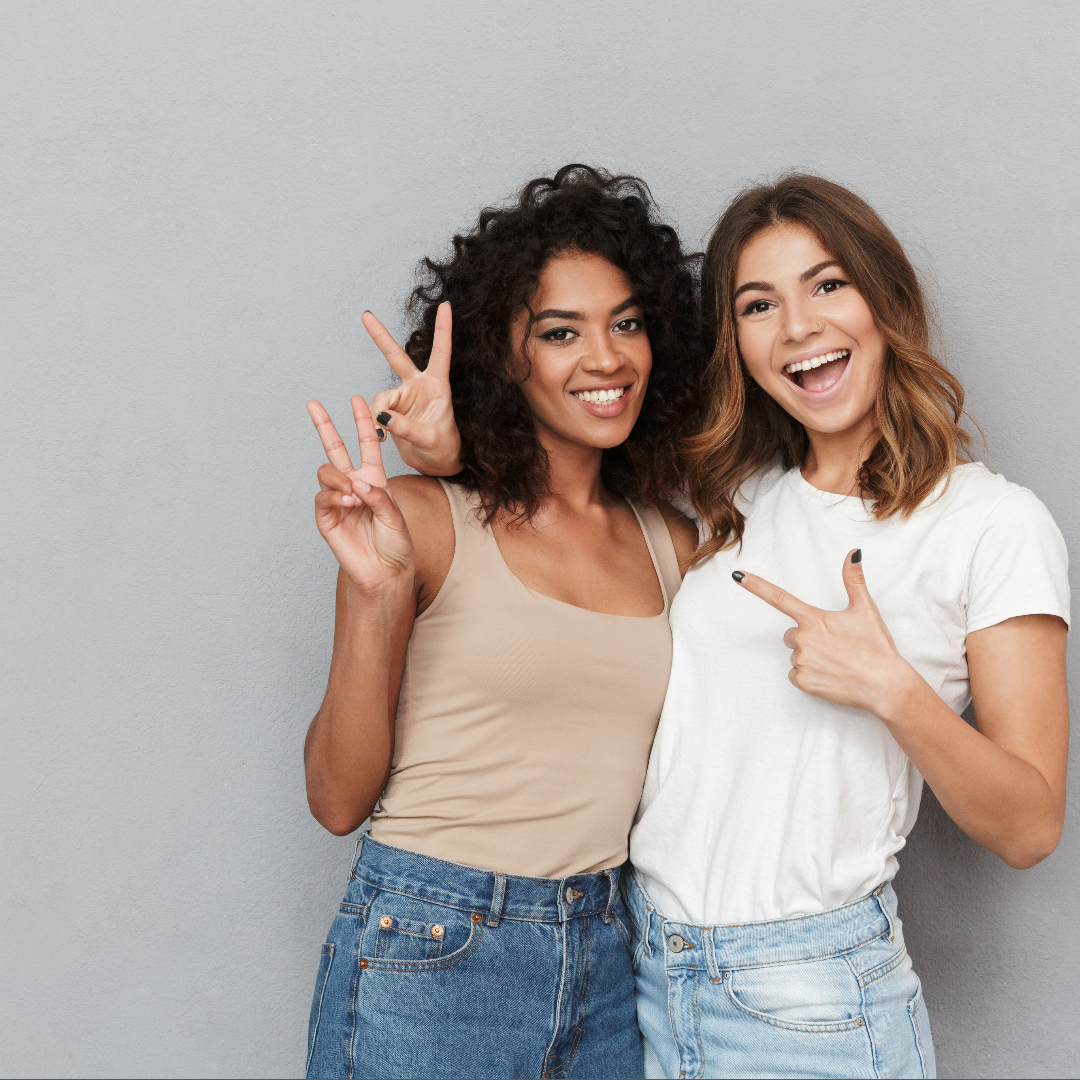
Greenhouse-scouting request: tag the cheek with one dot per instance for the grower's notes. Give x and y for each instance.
(756, 351)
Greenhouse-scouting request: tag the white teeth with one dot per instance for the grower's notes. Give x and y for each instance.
(600, 397)
(817, 361)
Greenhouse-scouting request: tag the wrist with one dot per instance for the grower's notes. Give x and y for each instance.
(387, 598)
(901, 695)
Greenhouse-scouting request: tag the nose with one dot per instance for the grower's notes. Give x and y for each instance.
(601, 356)
(801, 320)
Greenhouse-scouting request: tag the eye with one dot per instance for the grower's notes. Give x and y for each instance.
(826, 288)
(757, 307)
(558, 334)
(628, 326)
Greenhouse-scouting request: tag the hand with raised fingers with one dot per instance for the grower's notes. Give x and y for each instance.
(354, 510)
(847, 657)
(419, 413)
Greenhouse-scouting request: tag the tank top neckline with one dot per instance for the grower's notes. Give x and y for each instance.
(589, 611)
(466, 500)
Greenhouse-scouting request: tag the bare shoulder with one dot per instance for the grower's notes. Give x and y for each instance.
(684, 534)
(426, 510)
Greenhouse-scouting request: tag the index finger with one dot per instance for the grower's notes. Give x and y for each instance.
(395, 355)
(774, 596)
(439, 364)
(336, 453)
(370, 450)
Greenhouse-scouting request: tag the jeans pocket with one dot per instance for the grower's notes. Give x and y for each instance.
(325, 962)
(406, 933)
(812, 996)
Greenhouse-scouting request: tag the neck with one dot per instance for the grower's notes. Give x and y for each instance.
(835, 457)
(573, 473)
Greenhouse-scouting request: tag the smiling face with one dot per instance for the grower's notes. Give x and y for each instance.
(588, 352)
(806, 335)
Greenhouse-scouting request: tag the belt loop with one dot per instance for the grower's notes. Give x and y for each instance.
(711, 965)
(497, 897)
(612, 893)
(883, 907)
(357, 851)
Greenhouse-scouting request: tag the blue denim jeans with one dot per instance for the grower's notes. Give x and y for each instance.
(432, 969)
(818, 995)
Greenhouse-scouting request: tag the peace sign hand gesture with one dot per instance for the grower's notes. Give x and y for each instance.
(847, 657)
(419, 413)
(354, 510)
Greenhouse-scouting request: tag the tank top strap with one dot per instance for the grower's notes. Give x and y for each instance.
(661, 549)
(475, 548)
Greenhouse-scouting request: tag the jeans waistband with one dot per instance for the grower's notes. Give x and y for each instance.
(496, 896)
(778, 941)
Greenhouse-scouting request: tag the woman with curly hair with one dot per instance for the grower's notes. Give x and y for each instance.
(893, 584)
(501, 647)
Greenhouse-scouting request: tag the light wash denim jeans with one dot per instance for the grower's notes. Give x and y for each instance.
(432, 969)
(828, 995)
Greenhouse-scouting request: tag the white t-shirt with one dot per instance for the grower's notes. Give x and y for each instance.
(762, 802)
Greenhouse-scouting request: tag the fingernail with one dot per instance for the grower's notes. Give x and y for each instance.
(738, 575)
(384, 419)
(382, 434)
(362, 485)
(856, 555)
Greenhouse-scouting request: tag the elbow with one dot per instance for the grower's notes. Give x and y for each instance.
(1033, 848)
(336, 822)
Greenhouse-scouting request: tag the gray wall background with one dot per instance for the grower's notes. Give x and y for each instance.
(197, 200)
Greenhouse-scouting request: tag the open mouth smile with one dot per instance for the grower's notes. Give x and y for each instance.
(605, 402)
(819, 373)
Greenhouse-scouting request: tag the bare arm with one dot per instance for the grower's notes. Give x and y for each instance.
(350, 742)
(1003, 784)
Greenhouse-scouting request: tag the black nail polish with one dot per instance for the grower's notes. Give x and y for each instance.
(384, 419)
(738, 575)
(856, 555)
(382, 434)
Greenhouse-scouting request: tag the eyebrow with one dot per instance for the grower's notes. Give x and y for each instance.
(558, 313)
(764, 286)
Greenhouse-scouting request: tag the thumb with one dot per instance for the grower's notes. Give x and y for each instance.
(855, 580)
(400, 426)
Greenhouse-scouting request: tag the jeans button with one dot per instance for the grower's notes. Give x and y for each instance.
(568, 896)
(675, 943)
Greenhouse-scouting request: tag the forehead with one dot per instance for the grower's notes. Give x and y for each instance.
(779, 253)
(577, 280)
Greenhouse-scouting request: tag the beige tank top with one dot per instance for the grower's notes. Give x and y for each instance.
(524, 724)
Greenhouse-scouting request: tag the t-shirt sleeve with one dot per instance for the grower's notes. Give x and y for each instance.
(1019, 565)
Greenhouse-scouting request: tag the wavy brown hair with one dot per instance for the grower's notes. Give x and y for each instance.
(494, 271)
(919, 404)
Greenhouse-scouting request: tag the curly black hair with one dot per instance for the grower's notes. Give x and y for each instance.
(493, 273)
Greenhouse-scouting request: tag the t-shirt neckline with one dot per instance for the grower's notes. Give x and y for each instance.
(854, 506)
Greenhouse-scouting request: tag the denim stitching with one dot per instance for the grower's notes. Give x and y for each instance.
(864, 1012)
(413, 967)
(883, 969)
(558, 1007)
(811, 1027)
(806, 959)
(459, 907)
(576, 1042)
(913, 1006)
(327, 950)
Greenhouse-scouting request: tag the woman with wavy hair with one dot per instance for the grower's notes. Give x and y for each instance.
(882, 583)
(501, 646)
